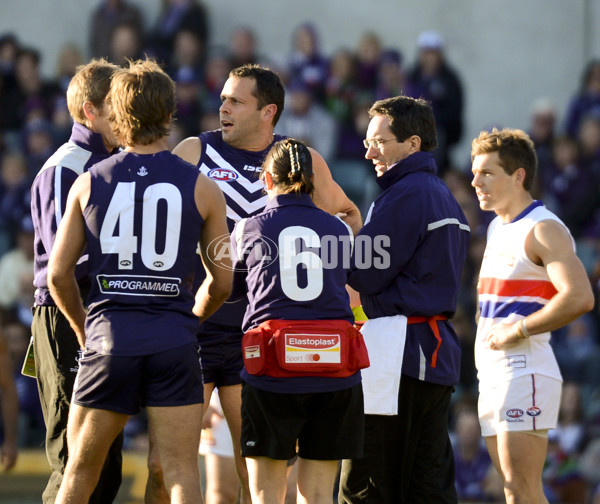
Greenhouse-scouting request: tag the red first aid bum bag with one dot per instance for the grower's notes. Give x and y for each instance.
(288, 348)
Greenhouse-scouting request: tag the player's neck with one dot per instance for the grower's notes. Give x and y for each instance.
(514, 207)
(256, 143)
(157, 146)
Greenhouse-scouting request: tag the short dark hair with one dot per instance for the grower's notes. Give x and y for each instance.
(408, 116)
(268, 88)
(515, 150)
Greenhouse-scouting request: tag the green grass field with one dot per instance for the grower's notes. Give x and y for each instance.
(26, 481)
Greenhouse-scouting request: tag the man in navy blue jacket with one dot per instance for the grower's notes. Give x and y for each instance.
(55, 344)
(408, 283)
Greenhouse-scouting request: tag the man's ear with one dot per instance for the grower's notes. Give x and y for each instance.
(89, 110)
(269, 111)
(520, 175)
(415, 143)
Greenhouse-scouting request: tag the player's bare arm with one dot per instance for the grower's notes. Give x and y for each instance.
(330, 197)
(217, 263)
(189, 150)
(68, 247)
(549, 245)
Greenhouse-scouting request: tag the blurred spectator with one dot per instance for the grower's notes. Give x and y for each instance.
(9, 408)
(433, 79)
(9, 46)
(176, 15)
(586, 100)
(308, 67)
(14, 265)
(126, 42)
(36, 95)
(368, 56)
(589, 464)
(31, 420)
(189, 110)
(542, 130)
(217, 72)
(14, 198)
(69, 58)
(38, 143)
(476, 479)
(106, 16)
(569, 188)
(589, 142)
(391, 80)
(188, 53)
(242, 47)
(577, 350)
(341, 88)
(210, 120)
(9, 103)
(350, 140)
(562, 477)
(307, 121)
(570, 431)
(61, 122)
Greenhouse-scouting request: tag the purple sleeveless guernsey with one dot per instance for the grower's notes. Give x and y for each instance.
(142, 229)
(236, 172)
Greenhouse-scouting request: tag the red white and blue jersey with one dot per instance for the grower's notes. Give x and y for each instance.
(293, 261)
(511, 287)
(236, 172)
(142, 229)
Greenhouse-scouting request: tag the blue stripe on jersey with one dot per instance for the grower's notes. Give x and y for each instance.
(501, 309)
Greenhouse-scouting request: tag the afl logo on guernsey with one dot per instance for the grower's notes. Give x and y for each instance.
(533, 411)
(222, 174)
(514, 413)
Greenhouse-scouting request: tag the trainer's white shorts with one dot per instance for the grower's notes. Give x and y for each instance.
(526, 403)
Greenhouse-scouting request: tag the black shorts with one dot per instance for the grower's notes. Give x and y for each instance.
(221, 354)
(324, 425)
(124, 384)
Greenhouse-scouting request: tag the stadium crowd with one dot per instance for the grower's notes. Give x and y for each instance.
(327, 99)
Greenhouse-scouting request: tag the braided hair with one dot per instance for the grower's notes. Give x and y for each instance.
(290, 164)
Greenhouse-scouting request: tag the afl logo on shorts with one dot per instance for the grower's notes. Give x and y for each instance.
(533, 411)
(222, 174)
(514, 413)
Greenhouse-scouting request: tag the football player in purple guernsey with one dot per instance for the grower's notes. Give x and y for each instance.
(252, 102)
(141, 214)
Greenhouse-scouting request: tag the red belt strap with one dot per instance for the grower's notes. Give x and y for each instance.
(433, 323)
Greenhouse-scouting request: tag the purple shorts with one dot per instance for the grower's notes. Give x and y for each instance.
(125, 384)
(221, 354)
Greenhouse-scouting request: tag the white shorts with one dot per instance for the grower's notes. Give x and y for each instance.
(217, 439)
(526, 403)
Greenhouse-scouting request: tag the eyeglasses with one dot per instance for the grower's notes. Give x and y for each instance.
(375, 143)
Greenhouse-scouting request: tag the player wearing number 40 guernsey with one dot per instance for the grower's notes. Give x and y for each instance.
(301, 382)
(252, 102)
(141, 213)
(530, 283)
